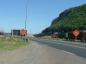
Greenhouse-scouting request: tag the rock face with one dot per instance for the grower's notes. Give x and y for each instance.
(70, 19)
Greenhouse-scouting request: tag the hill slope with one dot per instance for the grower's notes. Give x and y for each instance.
(70, 19)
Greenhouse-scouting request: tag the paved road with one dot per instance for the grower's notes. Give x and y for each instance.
(37, 53)
(69, 48)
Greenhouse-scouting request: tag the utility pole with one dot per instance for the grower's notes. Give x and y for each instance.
(26, 7)
(26, 14)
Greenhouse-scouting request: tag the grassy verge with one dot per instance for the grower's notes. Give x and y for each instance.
(11, 44)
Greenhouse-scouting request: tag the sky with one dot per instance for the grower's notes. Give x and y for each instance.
(40, 13)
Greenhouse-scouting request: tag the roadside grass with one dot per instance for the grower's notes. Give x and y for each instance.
(11, 44)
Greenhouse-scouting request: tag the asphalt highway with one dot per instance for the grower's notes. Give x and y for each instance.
(58, 45)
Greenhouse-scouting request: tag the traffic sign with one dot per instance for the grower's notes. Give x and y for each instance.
(76, 33)
(23, 32)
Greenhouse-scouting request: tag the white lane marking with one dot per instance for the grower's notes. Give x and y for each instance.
(68, 52)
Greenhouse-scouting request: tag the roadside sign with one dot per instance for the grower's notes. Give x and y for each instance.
(76, 33)
(23, 32)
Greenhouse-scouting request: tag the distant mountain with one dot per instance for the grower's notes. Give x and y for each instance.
(70, 19)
